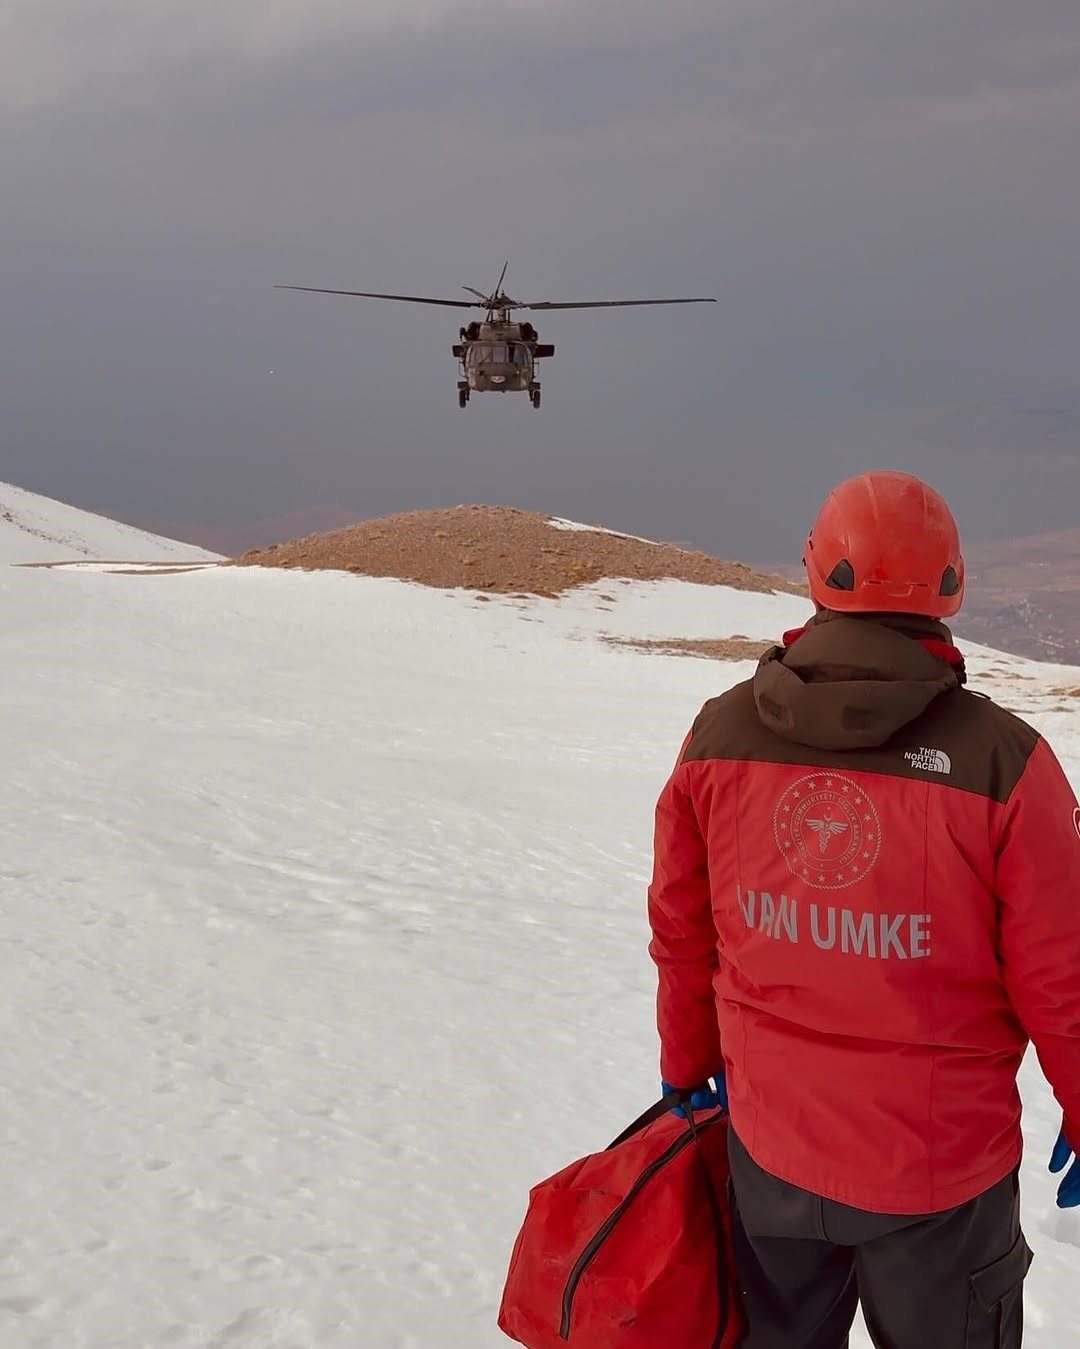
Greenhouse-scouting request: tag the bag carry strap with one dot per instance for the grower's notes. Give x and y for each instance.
(654, 1112)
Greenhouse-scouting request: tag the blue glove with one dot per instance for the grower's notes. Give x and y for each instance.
(707, 1097)
(1068, 1195)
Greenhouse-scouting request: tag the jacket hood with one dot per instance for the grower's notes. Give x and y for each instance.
(845, 683)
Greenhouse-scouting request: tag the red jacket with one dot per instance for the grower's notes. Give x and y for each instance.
(865, 901)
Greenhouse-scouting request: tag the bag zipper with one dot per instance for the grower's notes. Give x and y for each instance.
(605, 1229)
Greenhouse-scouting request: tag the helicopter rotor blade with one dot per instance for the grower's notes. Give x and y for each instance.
(502, 278)
(611, 304)
(380, 295)
(479, 294)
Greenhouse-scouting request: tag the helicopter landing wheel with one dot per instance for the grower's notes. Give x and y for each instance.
(462, 397)
(534, 396)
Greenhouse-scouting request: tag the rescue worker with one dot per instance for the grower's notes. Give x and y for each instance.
(865, 902)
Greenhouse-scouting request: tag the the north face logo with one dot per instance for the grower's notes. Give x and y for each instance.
(929, 760)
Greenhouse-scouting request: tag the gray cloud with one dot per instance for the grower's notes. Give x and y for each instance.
(883, 198)
(59, 52)
(745, 58)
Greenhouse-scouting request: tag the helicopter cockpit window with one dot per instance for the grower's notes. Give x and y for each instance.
(501, 353)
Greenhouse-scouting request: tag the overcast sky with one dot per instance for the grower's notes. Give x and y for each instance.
(883, 197)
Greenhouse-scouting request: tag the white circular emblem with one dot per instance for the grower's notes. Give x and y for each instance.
(828, 831)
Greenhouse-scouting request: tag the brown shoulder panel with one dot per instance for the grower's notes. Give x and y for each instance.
(962, 740)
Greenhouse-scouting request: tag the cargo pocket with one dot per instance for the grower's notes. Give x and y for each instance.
(995, 1317)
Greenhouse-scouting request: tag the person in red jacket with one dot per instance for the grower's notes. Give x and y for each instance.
(865, 903)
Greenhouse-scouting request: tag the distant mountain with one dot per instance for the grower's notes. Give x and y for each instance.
(233, 540)
(1025, 423)
(1024, 595)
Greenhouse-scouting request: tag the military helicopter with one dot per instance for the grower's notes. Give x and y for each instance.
(498, 354)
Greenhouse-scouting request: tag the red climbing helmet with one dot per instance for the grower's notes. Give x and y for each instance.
(886, 542)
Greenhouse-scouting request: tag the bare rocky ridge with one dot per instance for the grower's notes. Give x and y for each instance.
(501, 550)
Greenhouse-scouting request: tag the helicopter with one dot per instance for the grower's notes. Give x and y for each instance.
(498, 354)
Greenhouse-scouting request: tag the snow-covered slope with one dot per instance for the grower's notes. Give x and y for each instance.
(37, 529)
(323, 938)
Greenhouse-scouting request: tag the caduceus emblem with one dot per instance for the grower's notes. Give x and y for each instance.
(827, 829)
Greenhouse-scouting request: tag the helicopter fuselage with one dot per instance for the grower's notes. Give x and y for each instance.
(499, 359)
(500, 356)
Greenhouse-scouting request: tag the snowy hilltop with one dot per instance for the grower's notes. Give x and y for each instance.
(324, 932)
(36, 529)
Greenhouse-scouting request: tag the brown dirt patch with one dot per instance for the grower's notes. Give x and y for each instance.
(502, 550)
(709, 648)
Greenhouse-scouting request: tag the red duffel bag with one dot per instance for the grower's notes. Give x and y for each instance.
(631, 1248)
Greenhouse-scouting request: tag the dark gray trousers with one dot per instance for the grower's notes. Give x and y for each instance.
(951, 1280)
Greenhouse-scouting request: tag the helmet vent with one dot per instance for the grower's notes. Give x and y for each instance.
(950, 582)
(842, 576)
